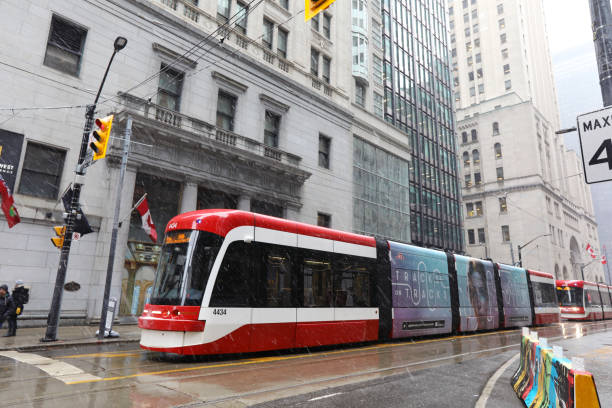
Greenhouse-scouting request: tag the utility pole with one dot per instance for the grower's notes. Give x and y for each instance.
(601, 20)
(113, 245)
(520, 247)
(58, 291)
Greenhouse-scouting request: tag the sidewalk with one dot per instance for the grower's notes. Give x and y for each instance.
(29, 338)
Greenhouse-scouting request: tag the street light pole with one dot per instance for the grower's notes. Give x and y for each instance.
(58, 291)
(520, 247)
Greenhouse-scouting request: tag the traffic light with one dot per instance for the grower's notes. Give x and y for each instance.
(313, 7)
(58, 241)
(101, 137)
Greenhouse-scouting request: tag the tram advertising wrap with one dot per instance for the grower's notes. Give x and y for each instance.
(517, 306)
(477, 294)
(421, 292)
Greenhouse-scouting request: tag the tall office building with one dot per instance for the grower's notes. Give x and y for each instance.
(417, 99)
(521, 186)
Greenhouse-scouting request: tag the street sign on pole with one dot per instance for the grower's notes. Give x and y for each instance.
(595, 134)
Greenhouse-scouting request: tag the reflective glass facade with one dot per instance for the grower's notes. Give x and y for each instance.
(418, 100)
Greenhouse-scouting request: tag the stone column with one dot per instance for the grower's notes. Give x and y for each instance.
(244, 203)
(189, 198)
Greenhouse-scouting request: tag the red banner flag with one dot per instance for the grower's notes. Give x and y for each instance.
(147, 221)
(591, 251)
(8, 205)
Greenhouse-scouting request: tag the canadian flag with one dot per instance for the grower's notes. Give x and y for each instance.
(145, 217)
(591, 251)
(604, 260)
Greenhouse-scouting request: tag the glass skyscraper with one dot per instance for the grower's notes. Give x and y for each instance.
(418, 100)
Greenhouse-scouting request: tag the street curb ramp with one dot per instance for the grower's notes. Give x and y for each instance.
(545, 378)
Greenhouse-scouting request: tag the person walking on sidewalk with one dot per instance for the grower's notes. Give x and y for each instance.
(21, 296)
(7, 308)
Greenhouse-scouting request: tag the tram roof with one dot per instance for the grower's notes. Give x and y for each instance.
(575, 283)
(222, 221)
(542, 274)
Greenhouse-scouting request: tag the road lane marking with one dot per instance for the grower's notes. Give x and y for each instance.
(325, 396)
(105, 355)
(488, 389)
(59, 370)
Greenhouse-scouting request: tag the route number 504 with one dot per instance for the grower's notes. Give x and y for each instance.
(597, 157)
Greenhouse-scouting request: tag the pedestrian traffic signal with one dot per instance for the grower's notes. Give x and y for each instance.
(101, 137)
(60, 231)
(314, 7)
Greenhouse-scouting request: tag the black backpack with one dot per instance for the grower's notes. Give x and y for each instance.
(21, 296)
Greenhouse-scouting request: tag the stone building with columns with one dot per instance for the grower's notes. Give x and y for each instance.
(230, 116)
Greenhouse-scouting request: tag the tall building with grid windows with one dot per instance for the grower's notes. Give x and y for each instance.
(411, 89)
(520, 185)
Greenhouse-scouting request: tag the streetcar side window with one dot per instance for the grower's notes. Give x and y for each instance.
(544, 294)
(316, 271)
(276, 279)
(233, 286)
(204, 255)
(352, 281)
(593, 298)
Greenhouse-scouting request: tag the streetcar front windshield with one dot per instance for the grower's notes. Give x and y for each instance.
(569, 296)
(184, 267)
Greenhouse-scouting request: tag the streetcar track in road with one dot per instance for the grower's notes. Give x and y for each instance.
(263, 360)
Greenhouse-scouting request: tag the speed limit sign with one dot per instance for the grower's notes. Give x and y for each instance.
(595, 133)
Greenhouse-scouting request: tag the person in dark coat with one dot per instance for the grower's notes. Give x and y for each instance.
(7, 308)
(21, 296)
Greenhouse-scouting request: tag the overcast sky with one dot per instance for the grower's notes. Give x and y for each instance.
(568, 23)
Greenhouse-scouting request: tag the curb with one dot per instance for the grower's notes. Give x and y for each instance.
(66, 344)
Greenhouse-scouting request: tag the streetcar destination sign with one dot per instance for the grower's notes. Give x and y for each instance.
(595, 134)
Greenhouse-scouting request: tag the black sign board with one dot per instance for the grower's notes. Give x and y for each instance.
(10, 153)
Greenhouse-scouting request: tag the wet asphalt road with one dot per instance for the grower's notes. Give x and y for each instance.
(431, 372)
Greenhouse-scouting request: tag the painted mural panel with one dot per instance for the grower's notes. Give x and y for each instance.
(517, 309)
(477, 294)
(421, 292)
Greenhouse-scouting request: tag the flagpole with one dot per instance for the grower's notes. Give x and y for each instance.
(132, 210)
(607, 266)
(111, 255)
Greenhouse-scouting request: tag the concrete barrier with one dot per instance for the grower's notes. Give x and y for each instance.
(545, 378)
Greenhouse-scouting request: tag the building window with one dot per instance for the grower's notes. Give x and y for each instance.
(377, 70)
(495, 128)
(466, 18)
(557, 211)
(465, 4)
(271, 129)
(281, 48)
(480, 88)
(500, 9)
(504, 53)
(467, 31)
(549, 205)
(473, 91)
(454, 52)
(226, 110)
(468, 181)
(360, 94)
(378, 105)
(505, 229)
(471, 238)
(170, 88)
(284, 4)
(469, 208)
(475, 28)
(477, 179)
(476, 156)
(314, 62)
(450, 11)
(506, 69)
(466, 159)
(326, 25)
(551, 231)
(268, 33)
(326, 69)
(471, 76)
(324, 220)
(223, 10)
(42, 171)
(498, 151)
(476, 42)
(324, 148)
(479, 74)
(478, 59)
(500, 173)
(478, 208)
(65, 46)
(502, 24)
(315, 22)
(508, 84)
(464, 137)
(474, 135)
(475, 13)
(481, 236)
(453, 38)
(241, 23)
(503, 207)
(502, 38)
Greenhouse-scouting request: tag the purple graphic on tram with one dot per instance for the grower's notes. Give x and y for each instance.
(421, 294)
(477, 294)
(517, 306)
